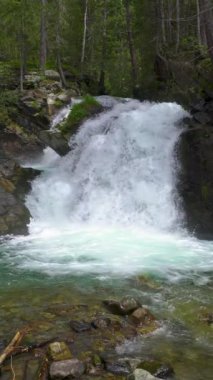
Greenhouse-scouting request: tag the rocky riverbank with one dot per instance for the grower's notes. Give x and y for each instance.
(89, 350)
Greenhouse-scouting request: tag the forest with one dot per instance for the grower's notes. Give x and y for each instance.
(123, 47)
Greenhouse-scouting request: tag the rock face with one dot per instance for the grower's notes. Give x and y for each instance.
(195, 151)
(14, 184)
(24, 133)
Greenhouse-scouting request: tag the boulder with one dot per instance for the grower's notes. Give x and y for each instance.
(55, 140)
(64, 369)
(52, 74)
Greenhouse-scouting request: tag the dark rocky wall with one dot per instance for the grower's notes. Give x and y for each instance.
(195, 151)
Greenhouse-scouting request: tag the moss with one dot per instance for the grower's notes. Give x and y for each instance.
(88, 107)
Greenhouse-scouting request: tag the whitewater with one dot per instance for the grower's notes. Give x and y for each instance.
(110, 207)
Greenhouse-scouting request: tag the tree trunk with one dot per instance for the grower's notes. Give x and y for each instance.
(206, 10)
(22, 44)
(58, 44)
(131, 45)
(43, 37)
(162, 16)
(84, 34)
(178, 25)
(198, 23)
(169, 6)
(101, 84)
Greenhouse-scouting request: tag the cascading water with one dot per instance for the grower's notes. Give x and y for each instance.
(120, 172)
(110, 205)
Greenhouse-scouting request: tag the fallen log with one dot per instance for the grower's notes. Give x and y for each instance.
(15, 342)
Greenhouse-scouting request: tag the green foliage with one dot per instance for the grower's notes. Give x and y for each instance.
(80, 112)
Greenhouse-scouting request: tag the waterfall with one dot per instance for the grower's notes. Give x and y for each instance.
(120, 171)
(110, 205)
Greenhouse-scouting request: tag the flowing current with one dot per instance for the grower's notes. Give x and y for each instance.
(110, 206)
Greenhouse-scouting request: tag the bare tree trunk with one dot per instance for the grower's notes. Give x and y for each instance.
(58, 44)
(206, 9)
(101, 86)
(169, 5)
(178, 24)
(22, 46)
(43, 36)
(131, 45)
(21, 71)
(84, 34)
(162, 15)
(198, 23)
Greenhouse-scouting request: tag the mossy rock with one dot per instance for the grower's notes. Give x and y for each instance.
(79, 113)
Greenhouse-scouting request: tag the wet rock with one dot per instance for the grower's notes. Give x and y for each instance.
(164, 372)
(126, 306)
(56, 141)
(142, 316)
(195, 188)
(118, 367)
(202, 117)
(197, 107)
(72, 368)
(101, 323)
(79, 326)
(14, 185)
(141, 374)
(59, 351)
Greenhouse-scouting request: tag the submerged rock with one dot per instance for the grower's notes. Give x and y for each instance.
(142, 316)
(73, 368)
(79, 326)
(101, 323)
(126, 306)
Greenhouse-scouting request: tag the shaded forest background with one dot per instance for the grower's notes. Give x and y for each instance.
(141, 48)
